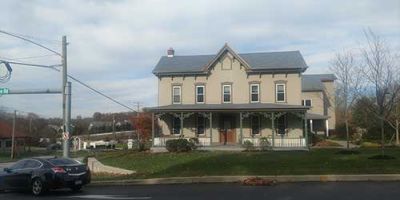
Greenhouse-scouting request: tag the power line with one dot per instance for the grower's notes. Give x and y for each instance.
(58, 42)
(28, 57)
(28, 40)
(73, 78)
(98, 92)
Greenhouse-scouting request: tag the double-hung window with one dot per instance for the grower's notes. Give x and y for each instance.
(255, 93)
(200, 90)
(280, 92)
(255, 124)
(281, 124)
(227, 93)
(201, 125)
(306, 102)
(176, 126)
(176, 94)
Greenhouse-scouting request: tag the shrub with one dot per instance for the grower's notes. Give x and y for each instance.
(248, 145)
(314, 138)
(194, 142)
(179, 145)
(264, 144)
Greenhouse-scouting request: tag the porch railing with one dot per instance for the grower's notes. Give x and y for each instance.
(161, 141)
(281, 142)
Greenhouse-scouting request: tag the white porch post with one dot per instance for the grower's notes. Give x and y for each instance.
(327, 127)
(181, 123)
(273, 128)
(311, 126)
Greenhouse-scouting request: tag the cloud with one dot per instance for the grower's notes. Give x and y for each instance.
(113, 45)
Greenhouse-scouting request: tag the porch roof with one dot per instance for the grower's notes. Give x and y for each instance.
(228, 107)
(316, 116)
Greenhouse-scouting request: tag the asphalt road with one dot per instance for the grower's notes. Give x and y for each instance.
(283, 191)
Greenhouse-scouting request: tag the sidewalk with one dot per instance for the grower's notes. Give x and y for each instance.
(238, 179)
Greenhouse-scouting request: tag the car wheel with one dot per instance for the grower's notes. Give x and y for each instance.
(37, 187)
(76, 188)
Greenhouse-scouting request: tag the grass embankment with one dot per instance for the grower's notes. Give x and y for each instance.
(316, 161)
(6, 156)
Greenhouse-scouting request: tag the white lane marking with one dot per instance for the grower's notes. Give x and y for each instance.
(107, 197)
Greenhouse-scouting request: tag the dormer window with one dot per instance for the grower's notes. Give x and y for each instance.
(176, 94)
(254, 93)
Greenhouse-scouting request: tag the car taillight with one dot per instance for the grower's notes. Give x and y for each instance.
(58, 170)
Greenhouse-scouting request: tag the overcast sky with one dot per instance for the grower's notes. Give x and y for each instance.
(114, 45)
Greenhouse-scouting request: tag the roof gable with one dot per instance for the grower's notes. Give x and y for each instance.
(225, 49)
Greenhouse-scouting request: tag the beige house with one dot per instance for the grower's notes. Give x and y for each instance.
(228, 98)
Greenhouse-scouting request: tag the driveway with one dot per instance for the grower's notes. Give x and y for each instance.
(343, 143)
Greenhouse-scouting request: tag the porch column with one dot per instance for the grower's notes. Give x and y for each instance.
(241, 127)
(181, 123)
(327, 127)
(152, 129)
(305, 129)
(311, 126)
(210, 128)
(273, 128)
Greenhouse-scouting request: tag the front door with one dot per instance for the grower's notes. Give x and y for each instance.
(227, 133)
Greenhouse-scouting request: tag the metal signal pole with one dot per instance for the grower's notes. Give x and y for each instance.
(13, 136)
(65, 107)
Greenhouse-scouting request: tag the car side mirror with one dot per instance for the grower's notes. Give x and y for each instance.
(8, 170)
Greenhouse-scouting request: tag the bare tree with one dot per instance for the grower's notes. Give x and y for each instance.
(394, 120)
(349, 84)
(382, 73)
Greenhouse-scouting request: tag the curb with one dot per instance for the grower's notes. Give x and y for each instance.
(237, 179)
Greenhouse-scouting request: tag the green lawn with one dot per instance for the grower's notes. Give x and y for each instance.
(317, 161)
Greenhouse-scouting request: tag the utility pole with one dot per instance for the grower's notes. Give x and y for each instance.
(113, 127)
(67, 131)
(13, 136)
(65, 107)
(30, 133)
(137, 108)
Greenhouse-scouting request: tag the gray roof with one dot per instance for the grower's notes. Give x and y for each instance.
(258, 61)
(313, 82)
(227, 107)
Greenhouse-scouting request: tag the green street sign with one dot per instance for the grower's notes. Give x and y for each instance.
(4, 91)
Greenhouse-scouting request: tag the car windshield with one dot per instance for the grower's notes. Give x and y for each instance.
(62, 161)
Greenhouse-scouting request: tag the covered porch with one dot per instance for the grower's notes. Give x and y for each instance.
(318, 124)
(281, 126)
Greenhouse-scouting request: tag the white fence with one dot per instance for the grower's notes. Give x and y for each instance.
(161, 141)
(283, 142)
